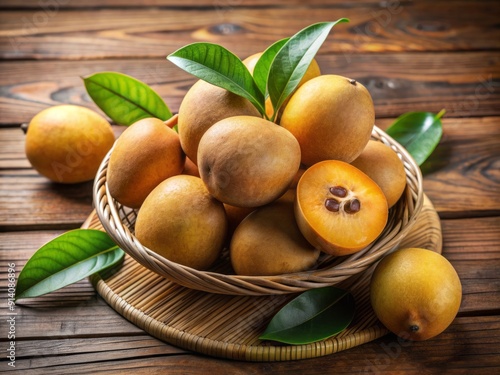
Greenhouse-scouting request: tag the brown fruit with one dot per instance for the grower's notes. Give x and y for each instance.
(384, 167)
(235, 216)
(247, 161)
(268, 242)
(338, 208)
(416, 293)
(181, 221)
(203, 105)
(190, 168)
(67, 143)
(146, 153)
(312, 71)
(332, 117)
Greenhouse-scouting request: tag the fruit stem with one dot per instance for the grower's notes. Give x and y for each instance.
(24, 127)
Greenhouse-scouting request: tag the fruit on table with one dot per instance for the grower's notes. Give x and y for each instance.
(312, 71)
(67, 143)
(247, 161)
(268, 242)
(383, 166)
(416, 293)
(332, 117)
(182, 222)
(144, 155)
(204, 105)
(338, 208)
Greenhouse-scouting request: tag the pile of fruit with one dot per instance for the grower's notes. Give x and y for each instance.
(276, 187)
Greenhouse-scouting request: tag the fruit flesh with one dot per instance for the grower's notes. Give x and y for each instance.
(247, 161)
(416, 293)
(181, 221)
(268, 242)
(67, 143)
(338, 208)
(332, 117)
(146, 153)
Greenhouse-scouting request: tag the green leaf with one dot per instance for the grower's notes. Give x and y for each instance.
(261, 70)
(293, 59)
(312, 316)
(65, 260)
(418, 132)
(125, 99)
(220, 67)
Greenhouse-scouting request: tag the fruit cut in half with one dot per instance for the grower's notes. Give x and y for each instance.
(338, 208)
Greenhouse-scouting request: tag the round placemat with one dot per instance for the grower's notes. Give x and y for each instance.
(227, 326)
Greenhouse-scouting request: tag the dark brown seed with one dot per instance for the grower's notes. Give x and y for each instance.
(352, 206)
(338, 191)
(332, 205)
(414, 328)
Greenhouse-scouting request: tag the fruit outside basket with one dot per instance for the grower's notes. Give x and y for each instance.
(118, 221)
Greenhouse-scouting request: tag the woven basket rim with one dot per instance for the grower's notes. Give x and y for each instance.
(112, 219)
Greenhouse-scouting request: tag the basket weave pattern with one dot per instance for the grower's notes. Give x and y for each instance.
(118, 221)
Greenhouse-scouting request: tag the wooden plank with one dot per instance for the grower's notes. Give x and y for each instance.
(216, 4)
(76, 310)
(155, 32)
(461, 176)
(469, 345)
(28, 200)
(463, 83)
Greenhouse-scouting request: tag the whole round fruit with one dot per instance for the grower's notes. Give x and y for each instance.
(415, 293)
(182, 222)
(384, 167)
(332, 117)
(202, 106)
(338, 208)
(146, 153)
(268, 242)
(67, 143)
(247, 161)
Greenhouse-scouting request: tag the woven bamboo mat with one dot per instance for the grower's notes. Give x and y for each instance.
(229, 326)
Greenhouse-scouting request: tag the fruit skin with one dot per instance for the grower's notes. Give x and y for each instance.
(247, 161)
(384, 167)
(67, 143)
(181, 221)
(341, 232)
(268, 242)
(416, 293)
(332, 117)
(312, 71)
(204, 105)
(146, 153)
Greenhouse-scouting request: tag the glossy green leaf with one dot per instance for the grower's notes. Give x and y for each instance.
(261, 70)
(65, 260)
(220, 67)
(418, 132)
(125, 99)
(293, 59)
(312, 316)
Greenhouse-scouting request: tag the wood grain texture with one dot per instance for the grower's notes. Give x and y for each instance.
(470, 345)
(28, 200)
(398, 82)
(153, 32)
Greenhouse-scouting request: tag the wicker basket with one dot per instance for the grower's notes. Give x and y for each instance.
(118, 221)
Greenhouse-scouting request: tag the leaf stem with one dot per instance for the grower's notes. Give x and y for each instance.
(440, 114)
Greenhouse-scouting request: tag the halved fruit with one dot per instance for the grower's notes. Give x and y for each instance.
(338, 208)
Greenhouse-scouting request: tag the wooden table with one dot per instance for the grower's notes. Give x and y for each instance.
(411, 55)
